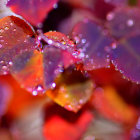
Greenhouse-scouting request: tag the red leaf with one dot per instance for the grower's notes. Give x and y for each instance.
(63, 125)
(16, 37)
(33, 11)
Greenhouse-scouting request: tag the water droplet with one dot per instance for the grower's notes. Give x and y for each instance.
(38, 90)
(4, 67)
(53, 85)
(110, 16)
(81, 55)
(81, 101)
(6, 28)
(68, 107)
(1, 40)
(14, 30)
(50, 42)
(10, 63)
(1, 62)
(34, 93)
(55, 6)
(11, 24)
(0, 46)
(77, 39)
(130, 22)
(114, 45)
(83, 41)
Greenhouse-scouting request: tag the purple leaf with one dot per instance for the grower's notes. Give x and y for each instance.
(117, 2)
(53, 64)
(93, 43)
(123, 21)
(126, 57)
(37, 71)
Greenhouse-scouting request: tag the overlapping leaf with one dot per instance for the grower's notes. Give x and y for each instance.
(5, 96)
(72, 125)
(124, 25)
(33, 11)
(16, 37)
(117, 2)
(128, 64)
(110, 104)
(123, 21)
(93, 43)
(36, 71)
(73, 90)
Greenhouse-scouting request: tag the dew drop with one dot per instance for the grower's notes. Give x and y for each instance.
(0, 46)
(10, 63)
(1, 40)
(114, 45)
(1, 30)
(4, 67)
(50, 42)
(38, 90)
(81, 55)
(14, 30)
(55, 6)
(11, 24)
(6, 28)
(110, 16)
(1, 62)
(81, 101)
(34, 93)
(68, 107)
(83, 41)
(130, 22)
(77, 39)
(53, 85)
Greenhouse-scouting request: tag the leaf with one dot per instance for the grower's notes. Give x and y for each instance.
(93, 43)
(16, 37)
(135, 132)
(72, 90)
(124, 25)
(104, 129)
(72, 125)
(126, 57)
(36, 71)
(53, 65)
(5, 97)
(66, 46)
(27, 69)
(117, 2)
(33, 11)
(110, 104)
(105, 8)
(81, 3)
(123, 22)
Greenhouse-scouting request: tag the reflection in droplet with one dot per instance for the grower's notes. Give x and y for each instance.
(38, 90)
(1, 30)
(0, 46)
(130, 22)
(110, 16)
(6, 28)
